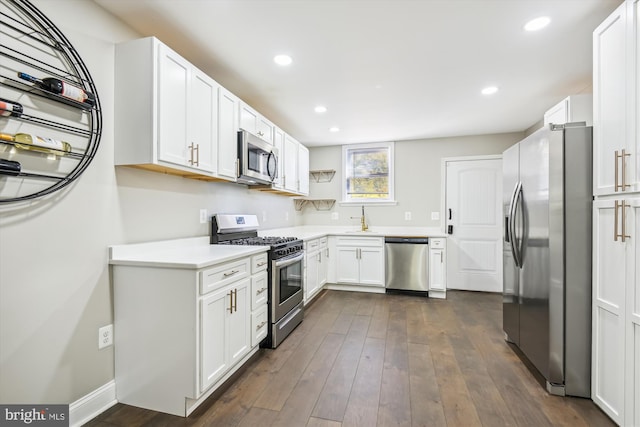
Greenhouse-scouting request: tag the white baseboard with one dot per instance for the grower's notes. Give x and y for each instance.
(93, 404)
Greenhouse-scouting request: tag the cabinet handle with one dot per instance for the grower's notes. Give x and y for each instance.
(441, 257)
(237, 169)
(261, 325)
(260, 264)
(259, 291)
(622, 157)
(231, 273)
(230, 302)
(623, 235)
(197, 150)
(191, 154)
(235, 300)
(326, 253)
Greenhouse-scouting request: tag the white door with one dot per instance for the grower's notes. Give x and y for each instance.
(473, 203)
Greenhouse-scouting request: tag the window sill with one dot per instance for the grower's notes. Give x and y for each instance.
(368, 203)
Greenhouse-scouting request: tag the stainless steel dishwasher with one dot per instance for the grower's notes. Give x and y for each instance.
(407, 263)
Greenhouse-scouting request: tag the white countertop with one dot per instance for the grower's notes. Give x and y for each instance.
(194, 252)
(308, 232)
(197, 252)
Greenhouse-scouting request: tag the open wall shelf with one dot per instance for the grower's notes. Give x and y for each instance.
(319, 204)
(323, 175)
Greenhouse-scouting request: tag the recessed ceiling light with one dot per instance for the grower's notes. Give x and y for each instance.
(334, 129)
(537, 24)
(490, 90)
(282, 60)
(320, 109)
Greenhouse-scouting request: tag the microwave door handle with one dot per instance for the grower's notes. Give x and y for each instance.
(272, 174)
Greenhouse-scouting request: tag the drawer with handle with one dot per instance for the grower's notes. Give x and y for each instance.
(259, 287)
(223, 274)
(437, 243)
(259, 262)
(259, 325)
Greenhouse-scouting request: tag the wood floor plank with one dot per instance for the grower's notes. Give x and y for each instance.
(254, 417)
(426, 403)
(333, 400)
(319, 422)
(298, 407)
(394, 408)
(362, 408)
(458, 406)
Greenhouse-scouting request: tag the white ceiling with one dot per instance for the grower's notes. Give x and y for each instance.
(385, 69)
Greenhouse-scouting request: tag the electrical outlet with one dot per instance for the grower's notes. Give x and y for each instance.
(407, 216)
(203, 216)
(264, 216)
(105, 336)
(334, 215)
(435, 216)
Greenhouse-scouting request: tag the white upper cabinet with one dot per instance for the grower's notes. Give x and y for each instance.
(227, 134)
(255, 123)
(574, 108)
(615, 99)
(278, 143)
(296, 166)
(165, 109)
(303, 170)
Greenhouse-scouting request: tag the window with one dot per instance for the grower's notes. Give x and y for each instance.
(368, 173)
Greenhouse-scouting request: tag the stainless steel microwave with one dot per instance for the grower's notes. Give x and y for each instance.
(257, 160)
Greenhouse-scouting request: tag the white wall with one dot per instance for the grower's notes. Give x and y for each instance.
(55, 289)
(418, 185)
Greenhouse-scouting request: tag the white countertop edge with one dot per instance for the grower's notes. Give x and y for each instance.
(192, 253)
(309, 232)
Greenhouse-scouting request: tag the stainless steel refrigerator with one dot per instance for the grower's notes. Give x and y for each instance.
(547, 202)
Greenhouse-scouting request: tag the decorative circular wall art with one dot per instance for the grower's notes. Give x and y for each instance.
(50, 117)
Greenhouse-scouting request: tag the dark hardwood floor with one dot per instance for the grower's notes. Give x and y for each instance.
(363, 359)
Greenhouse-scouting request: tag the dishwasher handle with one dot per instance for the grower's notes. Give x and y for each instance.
(407, 240)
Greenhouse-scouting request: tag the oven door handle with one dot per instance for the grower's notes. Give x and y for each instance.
(288, 261)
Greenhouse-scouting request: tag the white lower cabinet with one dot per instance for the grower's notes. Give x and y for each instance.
(224, 326)
(316, 267)
(181, 332)
(616, 309)
(437, 268)
(360, 260)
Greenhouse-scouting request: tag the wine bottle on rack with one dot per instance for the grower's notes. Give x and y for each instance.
(9, 167)
(62, 88)
(10, 108)
(27, 141)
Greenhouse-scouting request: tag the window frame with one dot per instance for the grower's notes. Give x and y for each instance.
(346, 200)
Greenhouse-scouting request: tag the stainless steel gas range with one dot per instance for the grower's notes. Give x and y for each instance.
(286, 281)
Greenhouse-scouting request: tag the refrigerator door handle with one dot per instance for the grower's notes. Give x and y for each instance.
(512, 228)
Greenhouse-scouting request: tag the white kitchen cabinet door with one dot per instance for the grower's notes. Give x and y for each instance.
(290, 160)
(214, 361)
(438, 268)
(372, 266)
(615, 110)
(278, 143)
(323, 269)
(203, 122)
(239, 322)
(303, 170)
(174, 81)
(348, 266)
(574, 108)
(253, 122)
(312, 271)
(227, 134)
(616, 308)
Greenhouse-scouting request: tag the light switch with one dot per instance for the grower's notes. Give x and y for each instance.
(407, 216)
